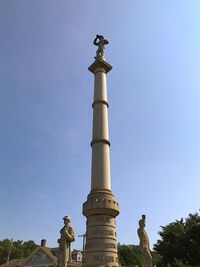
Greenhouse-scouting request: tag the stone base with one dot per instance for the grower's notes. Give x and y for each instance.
(101, 242)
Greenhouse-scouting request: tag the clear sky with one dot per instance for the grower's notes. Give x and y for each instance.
(46, 93)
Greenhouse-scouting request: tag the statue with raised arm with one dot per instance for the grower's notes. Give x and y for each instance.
(67, 236)
(100, 42)
(144, 243)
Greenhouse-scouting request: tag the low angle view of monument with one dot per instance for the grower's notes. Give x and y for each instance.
(144, 243)
(67, 236)
(99, 133)
(101, 208)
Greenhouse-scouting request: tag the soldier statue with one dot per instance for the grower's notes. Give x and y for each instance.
(67, 236)
(101, 45)
(144, 243)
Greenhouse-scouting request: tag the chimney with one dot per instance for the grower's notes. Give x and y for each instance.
(43, 243)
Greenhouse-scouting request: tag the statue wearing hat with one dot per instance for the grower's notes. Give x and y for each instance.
(144, 243)
(67, 236)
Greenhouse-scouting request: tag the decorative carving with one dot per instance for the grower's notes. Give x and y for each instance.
(101, 245)
(110, 245)
(144, 243)
(105, 259)
(100, 42)
(67, 236)
(102, 232)
(103, 219)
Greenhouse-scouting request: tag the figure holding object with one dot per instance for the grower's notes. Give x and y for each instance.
(100, 42)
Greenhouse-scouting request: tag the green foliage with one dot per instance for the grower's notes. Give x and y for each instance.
(129, 255)
(155, 258)
(28, 247)
(179, 245)
(179, 263)
(19, 249)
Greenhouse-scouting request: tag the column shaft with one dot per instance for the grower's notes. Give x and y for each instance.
(100, 174)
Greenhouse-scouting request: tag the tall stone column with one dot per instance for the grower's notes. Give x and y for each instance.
(101, 208)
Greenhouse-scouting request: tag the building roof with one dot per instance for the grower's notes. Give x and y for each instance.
(45, 250)
(50, 252)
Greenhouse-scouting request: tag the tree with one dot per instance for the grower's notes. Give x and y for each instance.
(19, 249)
(180, 243)
(129, 255)
(28, 247)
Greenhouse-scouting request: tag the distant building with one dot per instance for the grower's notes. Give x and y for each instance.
(77, 255)
(43, 256)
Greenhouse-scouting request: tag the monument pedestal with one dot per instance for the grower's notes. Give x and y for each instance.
(101, 245)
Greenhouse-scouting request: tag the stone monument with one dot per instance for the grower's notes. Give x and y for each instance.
(101, 208)
(67, 236)
(144, 243)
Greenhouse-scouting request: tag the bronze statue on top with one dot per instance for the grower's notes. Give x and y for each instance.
(144, 243)
(101, 45)
(67, 236)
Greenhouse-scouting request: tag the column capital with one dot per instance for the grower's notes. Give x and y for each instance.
(99, 63)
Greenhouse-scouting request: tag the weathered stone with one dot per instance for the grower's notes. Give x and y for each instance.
(101, 208)
(144, 243)
(67, 236)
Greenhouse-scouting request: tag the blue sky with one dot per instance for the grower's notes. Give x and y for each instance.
(46, 93)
